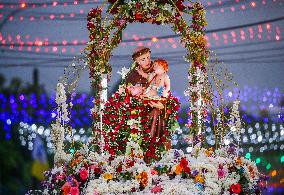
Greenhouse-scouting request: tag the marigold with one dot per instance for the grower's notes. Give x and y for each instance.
(108, 176)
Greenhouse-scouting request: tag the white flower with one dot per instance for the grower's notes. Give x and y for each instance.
(124, 71)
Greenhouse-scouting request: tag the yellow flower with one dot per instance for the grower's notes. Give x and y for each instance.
(199, 179)
(133, 111)
(108, 176)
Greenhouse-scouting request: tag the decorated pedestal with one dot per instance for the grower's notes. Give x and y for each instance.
(122, 157)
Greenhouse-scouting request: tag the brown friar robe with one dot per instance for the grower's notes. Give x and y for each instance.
(158, 123)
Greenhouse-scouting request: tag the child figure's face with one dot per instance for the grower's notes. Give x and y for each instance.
(158, 69)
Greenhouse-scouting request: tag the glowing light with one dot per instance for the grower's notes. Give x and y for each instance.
(257, 161)
(52, 16)
(54, 3)
(253, 4)
(9, 122)
(248, 155)
(274, 173)
(154, 39)
(268, 166)
(23, 5)
(282, 159)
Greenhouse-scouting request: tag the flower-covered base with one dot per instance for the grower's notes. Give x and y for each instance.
(203, 171)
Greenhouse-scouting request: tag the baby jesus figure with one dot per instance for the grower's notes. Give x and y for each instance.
(158, 91)
(159, 81)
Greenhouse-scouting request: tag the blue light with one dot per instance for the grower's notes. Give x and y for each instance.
(8, 136)
(8, 121)
(12, 101)
(265, 120)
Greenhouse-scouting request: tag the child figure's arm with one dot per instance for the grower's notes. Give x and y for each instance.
(167, 86)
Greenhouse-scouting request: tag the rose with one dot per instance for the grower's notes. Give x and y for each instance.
(84, 174)
(236, 188)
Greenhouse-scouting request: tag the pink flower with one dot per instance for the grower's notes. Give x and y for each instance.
(154, 172)
(60, 177)
(221, 173)
(84, 174)
(157, 189)
(96, 193)
(74, 190)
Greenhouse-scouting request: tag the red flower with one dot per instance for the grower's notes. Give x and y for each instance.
(169, 111)
(90, 25)
(236, 188)
(84, 174)
(183, 163)
(119, 169)
(93, 13)
(138, 16)
(138, 5)
(180, 5)
(186, 169)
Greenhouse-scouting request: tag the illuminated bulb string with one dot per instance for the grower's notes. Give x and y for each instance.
(74, 16)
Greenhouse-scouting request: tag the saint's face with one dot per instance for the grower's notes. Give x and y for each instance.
(144, 60)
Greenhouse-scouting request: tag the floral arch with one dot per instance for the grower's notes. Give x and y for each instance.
(203, 171)
(105, 35)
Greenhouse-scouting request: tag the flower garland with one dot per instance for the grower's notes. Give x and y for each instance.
(204, 171)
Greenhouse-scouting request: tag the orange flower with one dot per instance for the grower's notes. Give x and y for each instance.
(239, 161)
(66, 188)
(142, 178)
(178, 169)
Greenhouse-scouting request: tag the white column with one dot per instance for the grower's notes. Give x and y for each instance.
(103, 99)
